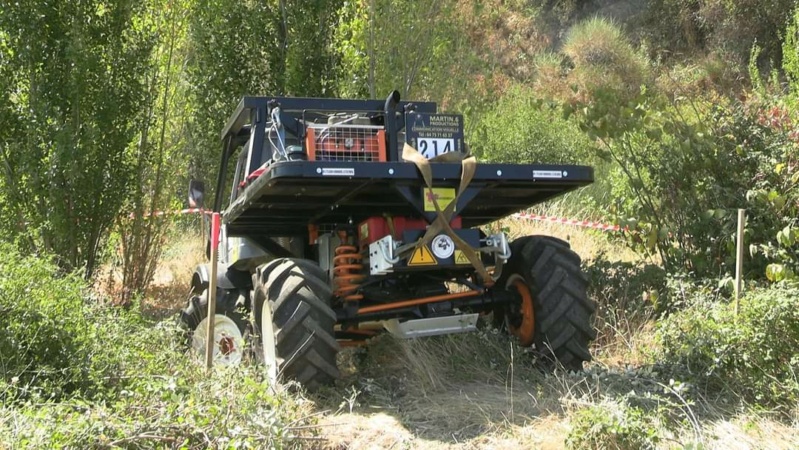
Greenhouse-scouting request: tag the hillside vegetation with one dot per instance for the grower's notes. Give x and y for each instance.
(686, 109)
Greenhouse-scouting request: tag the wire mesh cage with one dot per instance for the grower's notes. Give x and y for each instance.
(346, 140)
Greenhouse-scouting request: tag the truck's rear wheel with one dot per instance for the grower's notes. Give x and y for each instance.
(294, 318)
(554, 313)
(229, 326)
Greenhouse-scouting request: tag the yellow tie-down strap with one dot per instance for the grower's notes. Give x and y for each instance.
(443, 218)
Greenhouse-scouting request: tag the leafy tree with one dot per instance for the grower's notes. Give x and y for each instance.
(161, 130)
(71, 92)
(252, 48)
(389, 44)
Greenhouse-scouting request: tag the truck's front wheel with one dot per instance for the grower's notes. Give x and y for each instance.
(554, 312)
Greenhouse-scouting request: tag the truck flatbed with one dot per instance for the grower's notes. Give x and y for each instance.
(286, 196)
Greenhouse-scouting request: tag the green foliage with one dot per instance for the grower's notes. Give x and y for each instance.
(233, 48)
(45, 347)
(751, 356)
(521, 129)
(774, 192)
(627, 295)
(74, 374)
(790, 52)
(58, 342)
(71, 92)
(685, 166)
(385, 45)
(176, 405)
(613, 426)
(772, 232)
(156, 154)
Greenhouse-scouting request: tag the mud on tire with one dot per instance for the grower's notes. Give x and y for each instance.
(562, 310)
(302, 320)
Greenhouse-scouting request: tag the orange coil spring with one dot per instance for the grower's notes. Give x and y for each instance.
(347, 269)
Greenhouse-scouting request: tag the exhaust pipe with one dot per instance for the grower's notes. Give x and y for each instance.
(392, 101)
(390, 109)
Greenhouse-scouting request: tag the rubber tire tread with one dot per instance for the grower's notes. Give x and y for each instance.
(303, 320)
(563, 311)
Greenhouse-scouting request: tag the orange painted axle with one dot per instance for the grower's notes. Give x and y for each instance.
(418, 301)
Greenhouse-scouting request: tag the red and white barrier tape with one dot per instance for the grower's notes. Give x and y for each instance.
(180, 211)
(195, 210)
(578, 223)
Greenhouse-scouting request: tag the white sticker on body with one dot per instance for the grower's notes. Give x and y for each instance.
(338, 171)
(547, 174)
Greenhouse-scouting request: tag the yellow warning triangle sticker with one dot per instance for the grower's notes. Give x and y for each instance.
(460, 257)
(422, 256)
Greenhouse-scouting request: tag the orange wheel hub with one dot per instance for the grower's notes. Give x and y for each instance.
(526, 329)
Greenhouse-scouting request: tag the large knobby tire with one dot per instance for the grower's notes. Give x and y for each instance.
(555, 314)
(229, 326)
(295, 321)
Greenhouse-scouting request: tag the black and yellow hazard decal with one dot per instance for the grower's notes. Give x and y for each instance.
(422, 256)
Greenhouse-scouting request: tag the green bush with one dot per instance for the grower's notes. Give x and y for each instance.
(46, 343)
(612, 426)
(176, 406)
(58, 342)
(627, 295)
(753, 355)
(76, 374)
(520, 129)
(684, 167)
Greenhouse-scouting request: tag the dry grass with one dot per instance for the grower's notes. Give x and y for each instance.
(458, 391)
(169, 289)
(604, 59)
(479, 390)
(747, 432)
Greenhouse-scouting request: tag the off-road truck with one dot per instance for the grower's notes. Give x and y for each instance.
(342, 219)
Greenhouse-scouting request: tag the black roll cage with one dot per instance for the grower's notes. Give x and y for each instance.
(248, 123)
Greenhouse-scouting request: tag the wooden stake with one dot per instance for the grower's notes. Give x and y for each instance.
(210, 343)
(739, 260)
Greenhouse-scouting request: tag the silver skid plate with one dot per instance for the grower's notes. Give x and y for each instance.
(432, 327)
